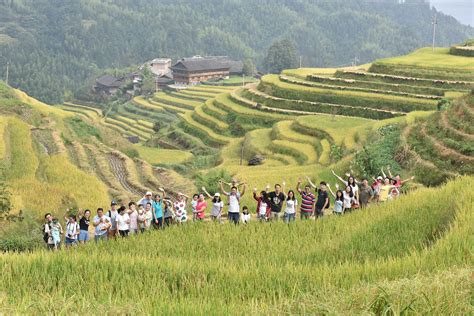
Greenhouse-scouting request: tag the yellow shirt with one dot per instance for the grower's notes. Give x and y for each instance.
(384, 191)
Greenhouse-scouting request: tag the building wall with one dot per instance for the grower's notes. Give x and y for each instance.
(196, 77)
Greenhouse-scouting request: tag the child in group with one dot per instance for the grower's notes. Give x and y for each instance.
(141, 218)
(263, 209)
(245, 215)
(56, 232)
(338, 201)
(132, 212)
(194, 203)
(168, 212)
(290, 211)
(123, 222)
(148, 214)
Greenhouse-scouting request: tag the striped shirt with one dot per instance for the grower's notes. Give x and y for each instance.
(307, 201)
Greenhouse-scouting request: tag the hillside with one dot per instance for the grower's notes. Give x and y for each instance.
(53, 160)
(54, 47)
(308, 121)
(412, 255)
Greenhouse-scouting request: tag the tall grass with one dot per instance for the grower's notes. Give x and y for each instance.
(264, 268)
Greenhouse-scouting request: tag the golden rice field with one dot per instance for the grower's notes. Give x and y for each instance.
(412, 255)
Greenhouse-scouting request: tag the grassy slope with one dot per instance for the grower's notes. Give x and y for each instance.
(226, 269)
(162, 156)
(425, 57)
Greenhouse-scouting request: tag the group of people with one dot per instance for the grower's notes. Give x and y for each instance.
(162, 210)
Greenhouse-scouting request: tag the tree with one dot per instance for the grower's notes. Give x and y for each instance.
(281, 55)
(249, 68)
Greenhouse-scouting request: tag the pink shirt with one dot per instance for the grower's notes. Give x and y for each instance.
(134, 220)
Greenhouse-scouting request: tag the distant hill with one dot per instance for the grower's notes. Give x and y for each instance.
(54, 46)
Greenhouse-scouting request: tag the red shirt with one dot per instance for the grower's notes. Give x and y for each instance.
(200, 208)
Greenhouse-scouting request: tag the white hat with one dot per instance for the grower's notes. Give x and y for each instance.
(379, 178)
(148, 193)
(217, 194)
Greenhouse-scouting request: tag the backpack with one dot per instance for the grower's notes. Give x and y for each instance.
(45, 234)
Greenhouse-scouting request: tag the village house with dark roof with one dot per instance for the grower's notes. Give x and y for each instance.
(197, 69)
(108, 84)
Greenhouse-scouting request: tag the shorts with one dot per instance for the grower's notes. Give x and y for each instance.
(70, 241)
(83, 235)
(234, 217)
(262, 217)
(168, 221)
(124, 233)
(305, 215)
(275, 215)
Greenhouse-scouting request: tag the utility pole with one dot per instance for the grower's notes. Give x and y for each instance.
(434, 22)
(6, 77)
(243, 80)
(355, 61)
(301, 61)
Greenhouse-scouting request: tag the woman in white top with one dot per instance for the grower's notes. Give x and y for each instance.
(123, 222)
(349, 198)
(338, 200)
(291, 204)
(217, 205)
(352, 182)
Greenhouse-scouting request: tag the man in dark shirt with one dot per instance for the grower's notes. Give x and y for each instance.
(275, 199)
(323, 200)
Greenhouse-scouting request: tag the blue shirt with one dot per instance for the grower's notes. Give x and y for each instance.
(158, 209)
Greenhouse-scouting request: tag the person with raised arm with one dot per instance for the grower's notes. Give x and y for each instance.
(351, 181)
(322, 201)
(308, 200)
(398, 182)
(157, 208)
(338, 200)
(180, 208)
(217, 205)
(263, 208)
(234, 197)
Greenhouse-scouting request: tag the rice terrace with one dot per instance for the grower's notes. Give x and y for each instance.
(203, 189)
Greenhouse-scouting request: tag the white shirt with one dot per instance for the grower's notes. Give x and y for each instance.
(234, 202)
(148, 218)
(123, 222)
(71, 230)
(291, 206)
(347, 199)
(246, 218)
(263, 208)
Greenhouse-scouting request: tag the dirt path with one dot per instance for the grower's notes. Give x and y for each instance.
(447, 125)
(117, 167)
(444, 151)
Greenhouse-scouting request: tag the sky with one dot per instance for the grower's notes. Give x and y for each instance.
(462, 10)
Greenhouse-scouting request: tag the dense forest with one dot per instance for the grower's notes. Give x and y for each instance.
(54, 46)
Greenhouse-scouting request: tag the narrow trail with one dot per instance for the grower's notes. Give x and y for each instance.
(117, 167)
(442, 149)
(447, 125)
(416, 156)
